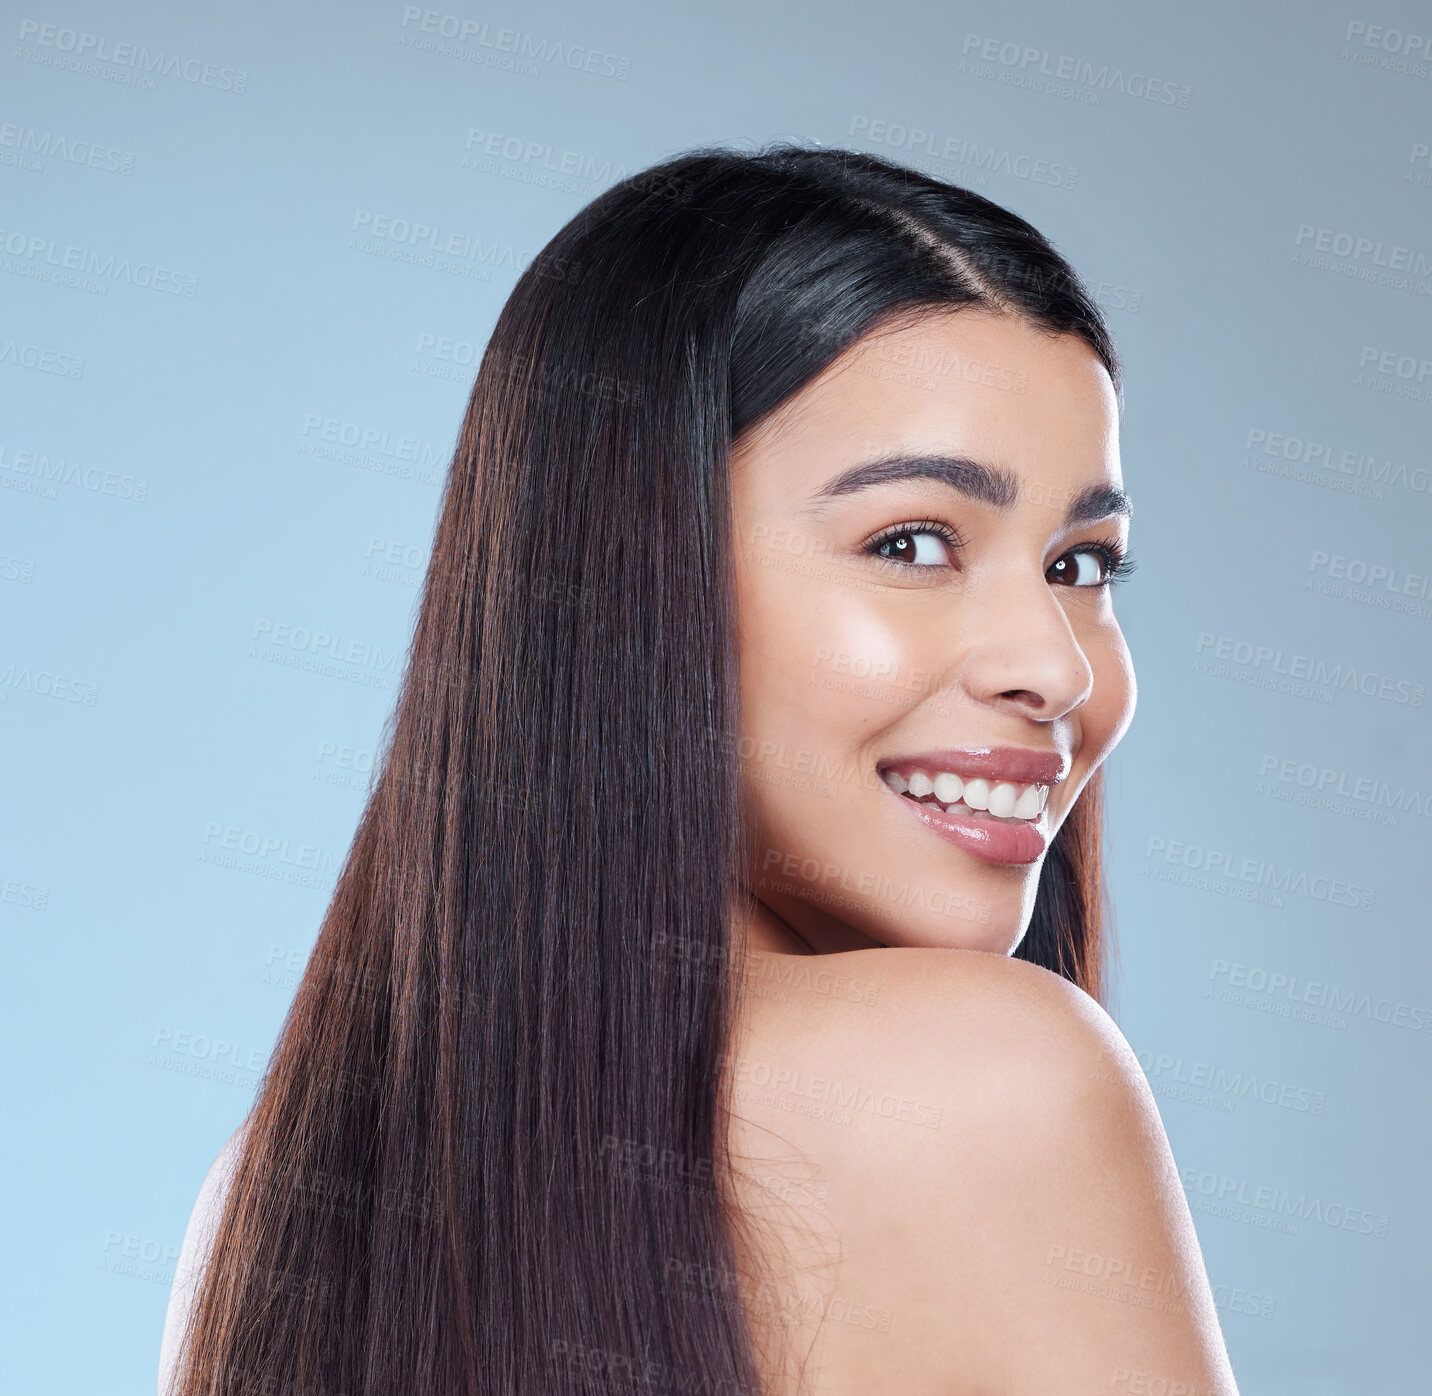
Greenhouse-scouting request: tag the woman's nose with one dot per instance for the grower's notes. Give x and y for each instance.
(1020, 650)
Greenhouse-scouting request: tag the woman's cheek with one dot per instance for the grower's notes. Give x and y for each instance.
(822, 676)
(857, 672)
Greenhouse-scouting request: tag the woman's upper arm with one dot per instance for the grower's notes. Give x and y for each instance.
(193, 1254)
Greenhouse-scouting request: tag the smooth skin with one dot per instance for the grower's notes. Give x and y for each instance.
(956, 1173)
(848, 658)
(952, 1172)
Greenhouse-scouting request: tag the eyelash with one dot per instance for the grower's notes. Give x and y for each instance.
(1119, 561)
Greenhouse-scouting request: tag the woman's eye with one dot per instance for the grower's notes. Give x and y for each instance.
(1085, 567)
(930, 544)
(918, 547)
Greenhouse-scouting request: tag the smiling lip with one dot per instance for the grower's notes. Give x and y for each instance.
(990, 840)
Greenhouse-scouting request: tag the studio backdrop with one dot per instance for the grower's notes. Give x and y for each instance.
(249, 259)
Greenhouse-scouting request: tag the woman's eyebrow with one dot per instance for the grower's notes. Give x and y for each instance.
(989, 484)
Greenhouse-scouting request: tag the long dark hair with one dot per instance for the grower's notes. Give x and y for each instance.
(491, 1135)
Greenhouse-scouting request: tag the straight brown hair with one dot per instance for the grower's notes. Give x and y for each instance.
(491, 1128)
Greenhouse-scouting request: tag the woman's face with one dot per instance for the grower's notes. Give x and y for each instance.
(922, 556)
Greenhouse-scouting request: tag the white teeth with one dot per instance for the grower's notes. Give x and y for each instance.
(1029, 803)
(948, 788)
(977, 793)
(1000, 799)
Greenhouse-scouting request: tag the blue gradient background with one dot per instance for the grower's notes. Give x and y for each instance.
(167, 512)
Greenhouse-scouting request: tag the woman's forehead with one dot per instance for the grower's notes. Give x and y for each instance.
(967, 383)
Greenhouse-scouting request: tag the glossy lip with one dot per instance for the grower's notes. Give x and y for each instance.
(1013, 763)
(987, 839)
(990, 840)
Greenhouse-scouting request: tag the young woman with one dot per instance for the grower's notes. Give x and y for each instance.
(710, 998)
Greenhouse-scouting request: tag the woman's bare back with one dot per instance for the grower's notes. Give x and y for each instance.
(952, 1179)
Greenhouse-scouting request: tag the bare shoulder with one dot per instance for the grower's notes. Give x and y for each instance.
(996, 1172)
(1023, 1036)
(194, 1253)
(985, 1029)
